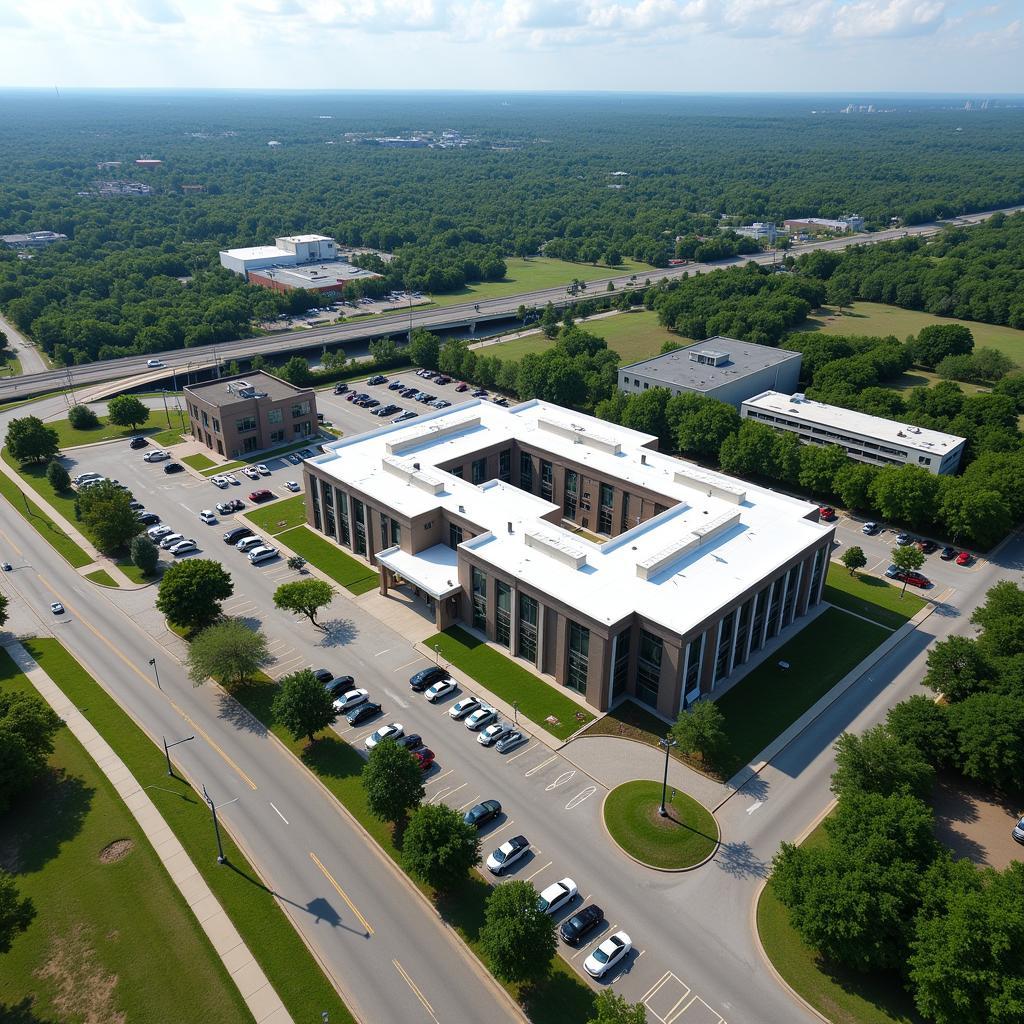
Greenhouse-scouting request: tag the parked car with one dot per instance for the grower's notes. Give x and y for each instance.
(82, 477)
(337, 685)
(407, 416)
(235, 535)
(424, 758)
(948, 554)
(827, 513)
(340, 389)
(440, 689)
(395, 385)
(294, 459)
(1018, 831)
(556, 896)
(224, 508)
(392, 731)
(231, 479)
(483, 716)
(174, 467)
(914, 578)
(507, 854)
(377, 378)
(183, 547)
(361, 712)
(482, 813)
(510, 741)
(170, 539)
(207, 517)
(138, 442)
(427, 677)
(493, 733)
(262, 554)
(461, 388)
(349, 700)
(261, 495)
(263, 469)
(411, 742)
(292, 485)
(249, 542)
(251, 472)
(156, 533)
(964, 558)
(156, 455)
(612, 951)
(322, 675)
(136, 506)
(581, 924)
(870, 529)
(927, 546)
(464, 707)
(219, 481)
(147, 518)
(903, 539)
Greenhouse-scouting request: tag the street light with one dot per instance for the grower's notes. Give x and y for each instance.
(515, 710)
(668, 743)
(167, 749)
(152, 665)
(437, 654)
(221, 859)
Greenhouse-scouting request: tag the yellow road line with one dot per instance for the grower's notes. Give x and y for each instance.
(341, 893)
(10, 542)
(415, 989)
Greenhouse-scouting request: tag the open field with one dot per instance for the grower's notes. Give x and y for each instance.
(159, 421)
(112, 938)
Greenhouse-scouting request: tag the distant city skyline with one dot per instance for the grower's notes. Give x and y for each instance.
(715, 46)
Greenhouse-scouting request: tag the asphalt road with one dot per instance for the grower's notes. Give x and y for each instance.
(433, 319)
(28, 355)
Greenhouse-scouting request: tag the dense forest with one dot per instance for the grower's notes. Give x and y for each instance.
(592, 178)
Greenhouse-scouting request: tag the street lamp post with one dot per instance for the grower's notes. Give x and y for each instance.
(668, 743)
(515, 710)
(437, 654)
(152, 665)
(167, 751)
(221, 859)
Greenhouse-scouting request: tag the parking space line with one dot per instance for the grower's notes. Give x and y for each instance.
(408, 663)
(538, 871)
(450, 792)
(439, 777)
(538, 767)
(597, 938)
(504, 824)
(520, 754)
(469, 803)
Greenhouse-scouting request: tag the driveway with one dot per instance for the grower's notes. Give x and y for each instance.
(976, 823)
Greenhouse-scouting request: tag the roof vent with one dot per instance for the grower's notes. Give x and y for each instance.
(510, 526)
(643, 460)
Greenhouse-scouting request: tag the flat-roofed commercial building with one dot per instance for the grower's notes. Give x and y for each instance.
(870, 439)
(33, 239)
(251, 412)
(723, 368)
(572, 543)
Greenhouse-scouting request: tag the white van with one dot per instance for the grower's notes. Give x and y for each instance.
(262, 554)
(248, 543)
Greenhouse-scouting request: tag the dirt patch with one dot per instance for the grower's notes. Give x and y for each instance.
(976, 823)
(83, 988)
(117, 850)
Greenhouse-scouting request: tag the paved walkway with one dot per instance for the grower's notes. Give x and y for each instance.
(263, 1002)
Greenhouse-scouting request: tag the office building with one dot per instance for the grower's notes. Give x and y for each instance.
(32, 239)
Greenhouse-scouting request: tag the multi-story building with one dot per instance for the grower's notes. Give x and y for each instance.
(33, 239)
(760, 231)
(572, 543)
(871, 439)
(853, 222)
(237, 415)
(721, 368)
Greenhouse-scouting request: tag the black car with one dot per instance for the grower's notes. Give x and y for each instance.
(235, 535)
(948, 554)
(361, 712)
(340, 389)
(174, 467)
(322, 675)
(482, 813)
(339, 685)
(411, 742)
(377, 379)
(148, 518)
(138, 442)
(136, 506)
(427, 677)
(928, 546)
(581, 923)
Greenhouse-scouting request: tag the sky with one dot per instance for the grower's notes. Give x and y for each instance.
(711, 46)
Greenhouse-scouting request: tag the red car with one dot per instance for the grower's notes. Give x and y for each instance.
(964, 558)
(461, 387)
(425, 758)
(261, 495)
(827, 513)
(915, 579)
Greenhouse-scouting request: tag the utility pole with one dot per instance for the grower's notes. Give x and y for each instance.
(167, 751)
(668, 743)
(221, 859)
(152, 665)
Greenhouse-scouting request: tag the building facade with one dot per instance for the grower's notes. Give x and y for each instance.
(574, 545)
(871, 439)
(234, 416)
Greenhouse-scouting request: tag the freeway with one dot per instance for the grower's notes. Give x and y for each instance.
(460, 314)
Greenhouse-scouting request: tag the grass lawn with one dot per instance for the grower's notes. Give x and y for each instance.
(133, 572)
(102, 577)
(764, 703)
(42, 523)
(10, 366)
(511, 682)
(170, 437)
(290, 968)
(352, 574)
(685, 836)
(110, 940)
(69, 437)
(560, 998)
(871, 597)
(844, 996)
(198, 461)
(279, 515)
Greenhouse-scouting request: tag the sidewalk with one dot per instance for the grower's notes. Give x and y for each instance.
(263, 1002)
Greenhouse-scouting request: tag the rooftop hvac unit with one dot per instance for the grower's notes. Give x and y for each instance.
(799, 397)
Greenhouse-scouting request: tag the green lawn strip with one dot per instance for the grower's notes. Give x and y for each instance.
(686, 836)
(770, 698)
(871, 597)
(198, 461)
(227, 467)
(122, 924)
(842, 995)
(352, 574)
(42, 523)
(133, 572)
(560, 998)
(264, 456)
(269, 934)
(510, 681)
(169, 438)
(69, 437)
(280, 515)
(11, 366)
(102, 577)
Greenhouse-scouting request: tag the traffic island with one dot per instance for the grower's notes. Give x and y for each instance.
(684, 838)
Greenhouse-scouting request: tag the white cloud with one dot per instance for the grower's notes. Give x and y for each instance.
(893, 18)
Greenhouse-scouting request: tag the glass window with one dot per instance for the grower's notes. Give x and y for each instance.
(792, 589)
(454, 535)
(275, 415)
(604, 516)
(579, 657)
(502, 613)
(479, 583)
(250, 444)
(457, 472)
(775, 607)
(547, 477)
(525, 471)
(819, 561)
(384, 523)
(695, 651)
(724, 645)
(648, 668)
(300, 409)
(314, 488)
(620, 670)
(528, 615)
(206, 419)
(245, 423)
(359, 534)
(505, 465)
(743, 635)
(571, 488)
(479, 471)
(626, 523)
(342, 498)
(396, 532)
(276, 436)
(760, 609)
(216, 424)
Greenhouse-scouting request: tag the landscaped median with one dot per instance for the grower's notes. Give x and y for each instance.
(253, 909)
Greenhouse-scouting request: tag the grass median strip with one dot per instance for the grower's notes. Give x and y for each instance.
(287, 963)
(102, 578)
(538, 700)
(113, 938)
(874, 598)
(198, 461)
(352, 574)
(279, 516)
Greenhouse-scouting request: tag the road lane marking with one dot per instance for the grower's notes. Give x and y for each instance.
(582, 795)
(539, 870)
(407, 664)
(11, 543)
(341, 893)
(754, 806)
(469, 803)
(279, 814)
(415, 990)
(560, 781)
(398, 700)
(538, 767)
(385, 651)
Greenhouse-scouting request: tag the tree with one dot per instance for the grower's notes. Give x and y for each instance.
(438, 847)
(30, 440)
(1001, 619)
(909, 558)
(57, 476)
(853, 484)
(700, 730)
(3, 610)
(699, 424)
(296, 563)
(922, 723)
(27, 729)
(611, 1008)
(988, 729)
(304, 597)
(957, 668)
(296, 371)
(935, 342)
(839, 293)
(145, 555)
(127, 411)
(854, 558)
(393, 781)
(303, 705)
(16, 912)
(81, 417)
(385, 353)
(228, 651)
(878, 762)
(973, 513)
(517, 938)
(424, 349)
(819, 467)
(907, 493)
(749, 451)
(106, 513)
(191, 591)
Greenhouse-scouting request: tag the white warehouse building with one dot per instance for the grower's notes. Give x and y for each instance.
(288, 251)
(870, 439)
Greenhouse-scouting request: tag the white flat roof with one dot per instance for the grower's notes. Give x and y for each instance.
(435, 570)
(718, 538)
(804, 410)
(306, 238)
(260, 252)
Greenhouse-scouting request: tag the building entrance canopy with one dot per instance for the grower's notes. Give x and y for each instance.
(435, 570)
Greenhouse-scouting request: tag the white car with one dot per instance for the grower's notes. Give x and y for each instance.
(207, 516)
(385, 732)
(82, 477)
(441, 689)
(463, 708)
(612, 951)
(170, 540)
(157, 455)
(251, 472)
(483, 715)
(183, 547)
(262, 469)
(231, 479)
(219, 481)
(154, 364)
(349, 700)
(493, 733)
(292, 485)
(507, 854)
(250, 542)
(57, 608)
(556, 896)
(156, 533)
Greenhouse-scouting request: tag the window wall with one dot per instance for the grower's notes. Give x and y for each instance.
(479, 586)
(648, 668)
(620, 669)
(502, 613)
(579, 657)
(529, 613)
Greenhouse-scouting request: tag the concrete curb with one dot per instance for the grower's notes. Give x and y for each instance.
(653, 867)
